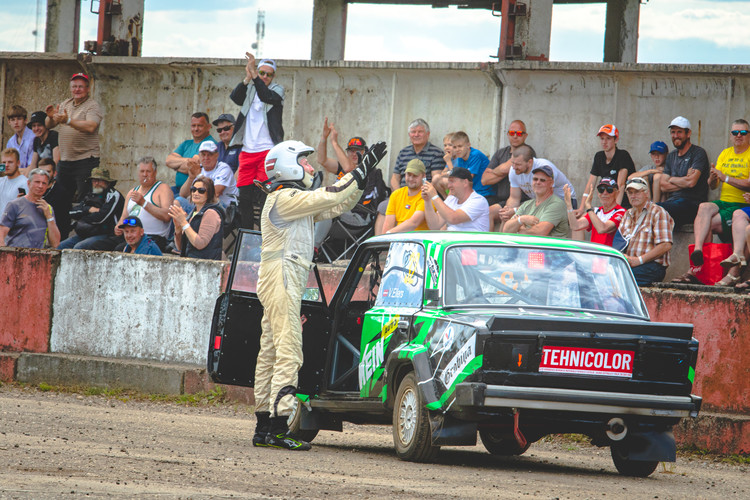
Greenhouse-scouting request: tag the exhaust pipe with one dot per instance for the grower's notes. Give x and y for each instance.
(616, 429)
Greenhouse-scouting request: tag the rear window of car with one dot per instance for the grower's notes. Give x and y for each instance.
(523, 277)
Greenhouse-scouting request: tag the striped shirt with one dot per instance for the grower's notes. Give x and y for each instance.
(656, 228)
(431, 156)
(74, 144)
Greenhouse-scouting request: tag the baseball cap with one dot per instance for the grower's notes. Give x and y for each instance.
(608, 129)
(415, 166)
(461, 173)
(607, 182)
(659, 147)
(224, 117)
(130, 222)
(37, 117)
(637, 183)
(356, 143)
(79, 75)
(267, 62)
(681, 122)
(209, 146)
(544, 168)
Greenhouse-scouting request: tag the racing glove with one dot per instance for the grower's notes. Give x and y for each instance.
(368, 163)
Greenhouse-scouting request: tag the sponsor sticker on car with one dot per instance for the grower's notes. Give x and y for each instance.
(581, 361)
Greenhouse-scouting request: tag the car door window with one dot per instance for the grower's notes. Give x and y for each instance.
(403, 276)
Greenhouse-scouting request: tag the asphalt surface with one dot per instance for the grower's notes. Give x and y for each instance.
(59, 445)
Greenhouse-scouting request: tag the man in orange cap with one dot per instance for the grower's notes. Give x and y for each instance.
(610, 163)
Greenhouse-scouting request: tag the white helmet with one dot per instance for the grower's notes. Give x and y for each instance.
(283, 167)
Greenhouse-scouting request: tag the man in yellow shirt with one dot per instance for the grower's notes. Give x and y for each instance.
(732, 172)
(405, 210)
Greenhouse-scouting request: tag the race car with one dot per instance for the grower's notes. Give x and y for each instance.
(450, 335)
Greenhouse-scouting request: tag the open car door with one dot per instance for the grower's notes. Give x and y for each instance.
(236, 327)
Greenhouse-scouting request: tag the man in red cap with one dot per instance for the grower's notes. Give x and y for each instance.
(610, 163)
(79, 118)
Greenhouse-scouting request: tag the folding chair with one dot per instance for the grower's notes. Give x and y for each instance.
(343, 238)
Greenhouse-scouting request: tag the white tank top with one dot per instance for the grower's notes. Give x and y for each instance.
(151, 225)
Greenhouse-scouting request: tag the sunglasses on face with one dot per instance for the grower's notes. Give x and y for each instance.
(224, 129)
(130, 221)
(515, 133)
(739, 132)
(200, 190)
(266, 73)
(608, 189)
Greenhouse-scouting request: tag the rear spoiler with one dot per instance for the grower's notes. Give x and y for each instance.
(596, 324)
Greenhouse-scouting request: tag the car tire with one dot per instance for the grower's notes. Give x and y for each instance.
(411, 424)
(499, 444)
(633, 468)
(294, 424)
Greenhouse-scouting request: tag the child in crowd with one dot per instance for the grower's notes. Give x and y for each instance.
(658, 152)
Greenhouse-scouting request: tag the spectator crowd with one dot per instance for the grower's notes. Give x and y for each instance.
(54, 192)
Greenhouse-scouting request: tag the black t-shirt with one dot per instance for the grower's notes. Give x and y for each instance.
(620, 160)
(678, 166)
(44, 149)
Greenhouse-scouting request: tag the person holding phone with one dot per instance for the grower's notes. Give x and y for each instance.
(29, 221)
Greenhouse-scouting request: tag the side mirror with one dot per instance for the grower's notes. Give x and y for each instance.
(432, 295)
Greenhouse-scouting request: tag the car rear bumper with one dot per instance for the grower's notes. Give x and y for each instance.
(477, 394)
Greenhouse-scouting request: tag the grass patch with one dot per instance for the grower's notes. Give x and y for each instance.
(215, 397)
(693, 452)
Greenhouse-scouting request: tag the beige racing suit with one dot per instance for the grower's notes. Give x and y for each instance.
(286, 259)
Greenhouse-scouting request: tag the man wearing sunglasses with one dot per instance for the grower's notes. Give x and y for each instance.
(227, 154)
(731, 172)
(257, 130)
(602, 221)
(685, 177)
(136, 239)
(611, 162)
(544, 215)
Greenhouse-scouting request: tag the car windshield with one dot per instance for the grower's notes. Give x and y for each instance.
(517, 276)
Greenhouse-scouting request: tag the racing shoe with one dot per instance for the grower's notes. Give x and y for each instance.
(280, 437)
(262, 428)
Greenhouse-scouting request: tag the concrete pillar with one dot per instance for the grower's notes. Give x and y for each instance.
(329, 30)
(533, 31)
(63, 26)
(525, 30)
(621, 33)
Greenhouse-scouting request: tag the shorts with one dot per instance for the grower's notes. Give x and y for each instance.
(251, 167)
(726, 209)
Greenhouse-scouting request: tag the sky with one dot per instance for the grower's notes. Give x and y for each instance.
(671, 31)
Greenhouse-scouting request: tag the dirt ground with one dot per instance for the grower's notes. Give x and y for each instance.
(60, 445)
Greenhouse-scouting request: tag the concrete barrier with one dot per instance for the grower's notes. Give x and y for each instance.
(26, 296)
(721, 326)
(131, 306)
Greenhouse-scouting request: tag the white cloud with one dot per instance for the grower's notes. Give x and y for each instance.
(722, 23)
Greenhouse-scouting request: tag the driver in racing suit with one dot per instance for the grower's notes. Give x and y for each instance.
(291, 209)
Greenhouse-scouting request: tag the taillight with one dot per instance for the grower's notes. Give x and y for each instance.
(217, 342)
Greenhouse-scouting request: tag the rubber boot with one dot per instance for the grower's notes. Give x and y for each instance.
(262, 428)
(280, 437)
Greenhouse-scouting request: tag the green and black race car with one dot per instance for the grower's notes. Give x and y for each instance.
(445, 335)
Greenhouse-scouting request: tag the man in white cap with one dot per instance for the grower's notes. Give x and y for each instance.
(217, 171)
(685, 176)
(257, 129)
(648, 229)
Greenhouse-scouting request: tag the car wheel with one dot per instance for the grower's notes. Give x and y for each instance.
(499, 444)
(634, 468)
(411, 424)
(294, 424)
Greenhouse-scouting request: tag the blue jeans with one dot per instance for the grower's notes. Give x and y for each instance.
(100, 242)
(682, 210)
(648, 273)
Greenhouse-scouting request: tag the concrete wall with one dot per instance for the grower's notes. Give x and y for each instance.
(721, 326)
(148, 102)
(132, 306)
